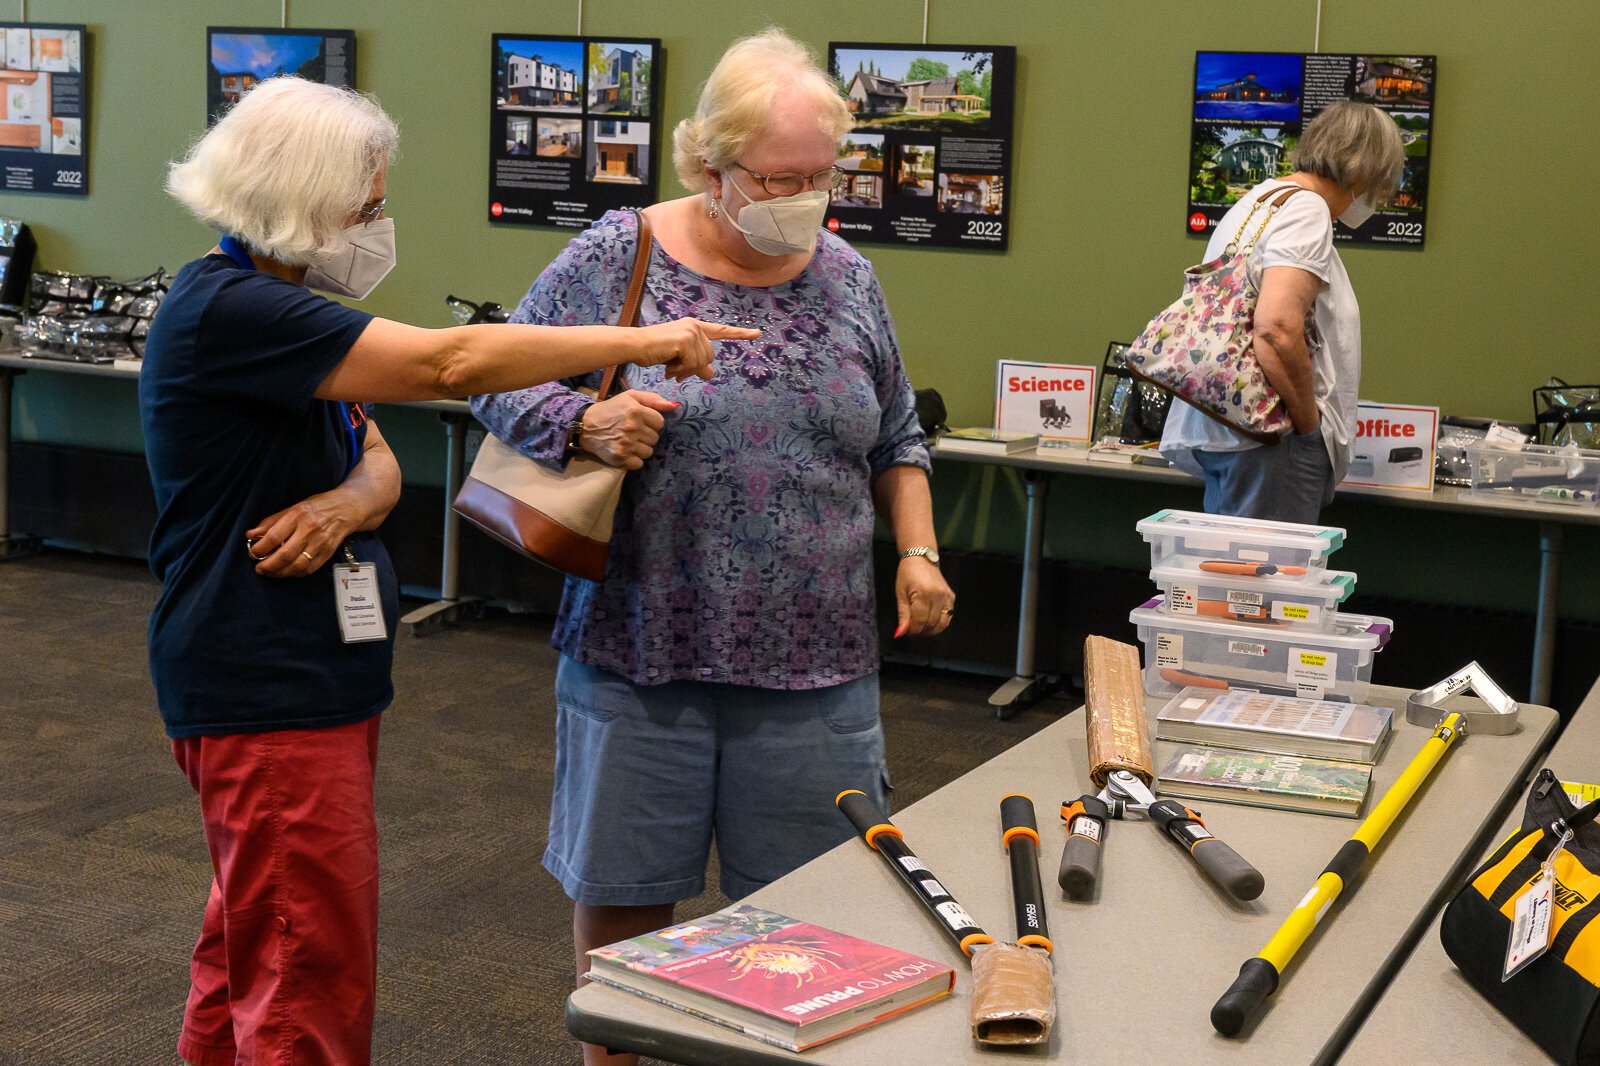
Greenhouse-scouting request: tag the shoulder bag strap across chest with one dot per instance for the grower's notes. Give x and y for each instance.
(630, 305)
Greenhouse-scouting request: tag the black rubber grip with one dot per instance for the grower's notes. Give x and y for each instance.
(1080, 867)
(1348, 861)
(862, 812)
(1257, 980)
(1220, 862)
(1017, 811)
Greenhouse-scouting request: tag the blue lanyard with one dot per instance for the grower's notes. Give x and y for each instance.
(234, 249)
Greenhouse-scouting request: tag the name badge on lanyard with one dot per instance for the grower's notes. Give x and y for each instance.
(359, 600)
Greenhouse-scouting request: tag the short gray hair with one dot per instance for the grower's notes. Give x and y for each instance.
(286, 166)
(737, 102)
(1356, 146)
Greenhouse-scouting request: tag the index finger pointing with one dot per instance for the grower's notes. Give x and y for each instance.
(716, 331)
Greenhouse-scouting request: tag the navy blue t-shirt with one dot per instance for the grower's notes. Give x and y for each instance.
(233, 432)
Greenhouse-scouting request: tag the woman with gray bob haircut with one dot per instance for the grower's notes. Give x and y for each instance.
(1349, 159)
(272, 639)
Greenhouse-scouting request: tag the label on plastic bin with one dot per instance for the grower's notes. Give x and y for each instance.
(1312, 672)
(1240, 596)
(1169, 651)
(1296, 612)
(1246, 647)
(1183, 599)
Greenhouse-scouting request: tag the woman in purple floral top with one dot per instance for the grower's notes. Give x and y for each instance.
(722, 678)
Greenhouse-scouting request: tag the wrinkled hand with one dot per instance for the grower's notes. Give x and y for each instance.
(623, 430)
(684, 347)
(299, 540)
(925, 601)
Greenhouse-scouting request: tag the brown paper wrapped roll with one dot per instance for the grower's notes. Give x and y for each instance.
(1119, 729)
(1013, 995)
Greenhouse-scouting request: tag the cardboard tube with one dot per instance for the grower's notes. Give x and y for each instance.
(1013, 995)
(1118, 727)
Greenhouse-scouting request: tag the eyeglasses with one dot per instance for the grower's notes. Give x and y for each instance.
(372, 210)
(827, 180)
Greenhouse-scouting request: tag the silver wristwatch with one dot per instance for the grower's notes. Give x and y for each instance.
(930, 554)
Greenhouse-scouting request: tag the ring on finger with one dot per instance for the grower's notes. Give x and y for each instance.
(309, 557)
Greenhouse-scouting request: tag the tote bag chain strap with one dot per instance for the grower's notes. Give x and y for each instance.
(1272, 209)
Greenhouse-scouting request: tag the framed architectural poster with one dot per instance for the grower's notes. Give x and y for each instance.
(573, 127)
(237, 58)
(44, 112)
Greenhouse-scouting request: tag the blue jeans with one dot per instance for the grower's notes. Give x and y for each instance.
(1291, 481)
(647, 775)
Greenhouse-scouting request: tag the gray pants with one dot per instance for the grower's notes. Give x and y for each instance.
(1291, 481)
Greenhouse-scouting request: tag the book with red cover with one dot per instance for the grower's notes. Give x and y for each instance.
(775, 978)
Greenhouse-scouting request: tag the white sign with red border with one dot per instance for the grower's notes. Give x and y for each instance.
(1053, 400)
(1393, 446)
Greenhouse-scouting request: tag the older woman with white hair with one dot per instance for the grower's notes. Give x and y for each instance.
(1307, 324)
(721, 680)
(271, 642)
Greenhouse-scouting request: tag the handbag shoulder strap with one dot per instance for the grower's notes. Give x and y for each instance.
(1272, 200)
(630, 304)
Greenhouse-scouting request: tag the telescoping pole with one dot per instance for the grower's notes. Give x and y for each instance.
(1258, 977)
(1019, 833)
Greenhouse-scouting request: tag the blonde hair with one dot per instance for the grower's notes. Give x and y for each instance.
(737, 100)
(286, 167)
(1356, 146)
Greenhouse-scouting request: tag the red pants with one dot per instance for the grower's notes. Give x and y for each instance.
(286, 965)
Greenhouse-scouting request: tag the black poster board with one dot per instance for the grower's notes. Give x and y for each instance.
(574, 130)
(44, 115)
(1249, 109)
(929, 161)
(238, 57)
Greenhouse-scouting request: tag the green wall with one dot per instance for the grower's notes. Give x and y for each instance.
(1485, 312)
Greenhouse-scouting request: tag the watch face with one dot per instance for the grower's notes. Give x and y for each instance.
(933, 557)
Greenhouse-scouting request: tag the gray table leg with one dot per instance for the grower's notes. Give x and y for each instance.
(10, 547)
(448, 606)
(1551, 535)
(1027, 688)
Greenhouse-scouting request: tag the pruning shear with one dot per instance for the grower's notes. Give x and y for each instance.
(1124, 793)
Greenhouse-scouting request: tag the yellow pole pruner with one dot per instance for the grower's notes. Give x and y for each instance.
(1258, 977)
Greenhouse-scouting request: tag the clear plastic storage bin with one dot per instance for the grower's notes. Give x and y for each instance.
(1336, 665)
(1243, 546)
(1275, 601)
(1536, 472)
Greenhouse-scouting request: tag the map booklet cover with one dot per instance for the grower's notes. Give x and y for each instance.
(775, 978)
(1288, 725)
(1284, 782)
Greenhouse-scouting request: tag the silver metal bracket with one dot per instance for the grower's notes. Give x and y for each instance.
(1498, 717)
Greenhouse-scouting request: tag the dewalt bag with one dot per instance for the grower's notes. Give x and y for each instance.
(1555, 999)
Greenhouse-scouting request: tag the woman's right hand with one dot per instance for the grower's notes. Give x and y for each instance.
(684, 346)
(623, 430)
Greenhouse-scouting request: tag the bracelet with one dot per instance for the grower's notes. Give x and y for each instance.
(575, 431)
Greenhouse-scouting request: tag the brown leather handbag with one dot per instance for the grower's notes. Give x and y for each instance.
(561, 518)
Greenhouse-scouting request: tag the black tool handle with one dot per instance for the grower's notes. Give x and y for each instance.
(883, 837)
(1080, 859)
(1257, 980)
(1019, 832)
(1220, 862)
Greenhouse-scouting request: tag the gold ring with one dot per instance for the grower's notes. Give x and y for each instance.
(309, 557)
(948, 610)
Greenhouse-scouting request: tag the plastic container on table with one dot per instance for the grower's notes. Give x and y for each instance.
(1274, 601)
(1210, 653)
(1243, 546)
(1535, 472)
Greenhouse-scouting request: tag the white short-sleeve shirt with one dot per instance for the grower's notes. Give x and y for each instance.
(1299, 235)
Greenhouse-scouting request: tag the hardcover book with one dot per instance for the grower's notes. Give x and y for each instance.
(984, 440)
(1284, 782)
(1285, 725)
(775, 978)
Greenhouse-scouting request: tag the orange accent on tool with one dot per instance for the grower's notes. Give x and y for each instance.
(972, 940)
(1293, 571)
(1033, 940)
(1228, 566)
(845, 793)
(1024, 795)
(1179, 678)
(1021, 830)
(1069, 811)
(871, 835)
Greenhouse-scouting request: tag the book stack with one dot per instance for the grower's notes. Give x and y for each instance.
(1265, 675)
(984, 440)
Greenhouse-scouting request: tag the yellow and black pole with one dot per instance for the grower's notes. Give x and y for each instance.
(1258, 978)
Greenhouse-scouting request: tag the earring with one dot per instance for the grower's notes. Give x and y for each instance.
(714, 212)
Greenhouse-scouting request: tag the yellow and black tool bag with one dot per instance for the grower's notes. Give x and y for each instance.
(1555, 999)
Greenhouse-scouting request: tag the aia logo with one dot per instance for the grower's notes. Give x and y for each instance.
(496, 209)
(1197, 221)
(1567, 898)
(833, 225)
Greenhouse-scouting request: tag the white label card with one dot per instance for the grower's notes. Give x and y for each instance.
(1169, 651)
(360, 603)
(1530, 927)
(1085, 826)
(1182, 599)
(934, 887)
(954, 916)
(1312, 672)
(911, 862)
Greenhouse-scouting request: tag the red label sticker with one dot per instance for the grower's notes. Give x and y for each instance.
(833, 225)
(495, 210)
(1197, 221)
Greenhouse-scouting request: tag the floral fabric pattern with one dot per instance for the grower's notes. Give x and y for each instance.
(742, 551)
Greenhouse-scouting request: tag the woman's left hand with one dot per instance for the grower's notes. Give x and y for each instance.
(926, 603)
(299, 540)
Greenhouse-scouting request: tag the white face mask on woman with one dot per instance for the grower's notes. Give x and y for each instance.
(1360, 209)
(361, 256)
(783, 225)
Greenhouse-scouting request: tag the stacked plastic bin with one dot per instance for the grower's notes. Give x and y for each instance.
(1250, 604)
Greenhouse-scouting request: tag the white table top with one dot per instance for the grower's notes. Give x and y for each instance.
(1137, 970)
(1430, 1013)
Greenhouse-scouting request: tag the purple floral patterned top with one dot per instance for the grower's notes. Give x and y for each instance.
(742, 551)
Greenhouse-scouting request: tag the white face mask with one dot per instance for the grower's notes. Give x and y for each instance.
(1359, 211)
(356, 261)
(783, 225)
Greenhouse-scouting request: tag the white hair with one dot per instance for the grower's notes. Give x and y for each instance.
(736, 103)
(1354, 145)
(286, 167)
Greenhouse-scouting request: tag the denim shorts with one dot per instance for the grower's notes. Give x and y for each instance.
(647, 775)
(1291, 481)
